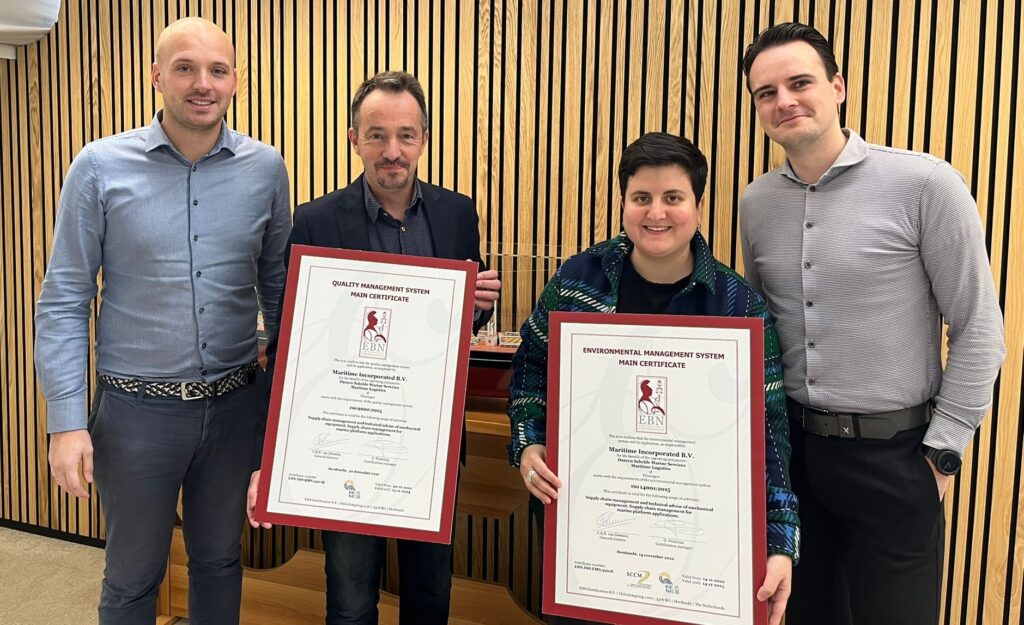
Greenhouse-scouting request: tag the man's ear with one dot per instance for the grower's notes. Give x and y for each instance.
(839, 88)
(353, 138)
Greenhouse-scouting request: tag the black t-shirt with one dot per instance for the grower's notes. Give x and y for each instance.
(637, 295)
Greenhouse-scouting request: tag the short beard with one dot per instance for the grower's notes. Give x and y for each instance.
(393, 185)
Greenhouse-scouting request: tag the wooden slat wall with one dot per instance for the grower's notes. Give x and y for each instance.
(532, 102)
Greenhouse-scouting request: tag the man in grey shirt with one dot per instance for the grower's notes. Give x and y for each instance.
(862, 251)
(189, 221)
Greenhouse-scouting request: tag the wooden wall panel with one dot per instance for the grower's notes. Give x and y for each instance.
(532, 102)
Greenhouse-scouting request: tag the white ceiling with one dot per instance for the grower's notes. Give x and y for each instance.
(25, 21)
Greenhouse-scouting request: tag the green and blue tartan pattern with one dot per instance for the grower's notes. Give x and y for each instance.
(589, 282)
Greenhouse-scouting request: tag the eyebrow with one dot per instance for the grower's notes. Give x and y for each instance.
(678, 191)
(790, 79)
(188, 59)
(369, 128)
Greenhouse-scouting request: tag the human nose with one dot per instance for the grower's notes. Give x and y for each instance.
(391, 149)
(784, 99)
(202, 80)
(656, 210)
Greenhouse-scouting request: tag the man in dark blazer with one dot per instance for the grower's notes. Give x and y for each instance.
(387, 209)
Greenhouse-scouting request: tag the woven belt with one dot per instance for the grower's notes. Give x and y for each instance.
(880, 425)
(185, 390)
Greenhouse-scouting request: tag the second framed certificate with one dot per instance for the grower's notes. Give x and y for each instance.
(366, 413)
(656, 427)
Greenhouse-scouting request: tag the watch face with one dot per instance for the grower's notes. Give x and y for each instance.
(948, 463)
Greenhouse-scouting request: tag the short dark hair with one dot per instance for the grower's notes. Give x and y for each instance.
(392, 82)
(788, 32)
(660, 148)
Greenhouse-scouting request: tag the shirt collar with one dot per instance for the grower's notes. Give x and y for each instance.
(373, 207)
(157, 137)
(855, 151)
(704, 263)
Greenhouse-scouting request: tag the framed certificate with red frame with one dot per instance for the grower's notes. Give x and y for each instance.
(368, 396)
(656, 428)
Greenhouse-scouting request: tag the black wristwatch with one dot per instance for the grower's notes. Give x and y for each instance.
(946, 461)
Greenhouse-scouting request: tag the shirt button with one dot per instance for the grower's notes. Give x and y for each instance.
(204, 345)
(810, 344)
(808, 225)
(809, 304)
(199, 273)
(203, 372)
(194, 168)
(807, 264)
(195, 202)
(202, 309)
(813, 188)
(195, 237)
(810, 381)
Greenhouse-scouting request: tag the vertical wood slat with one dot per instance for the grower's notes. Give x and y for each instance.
(533, 101)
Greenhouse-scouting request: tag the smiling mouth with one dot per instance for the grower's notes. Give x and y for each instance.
(790, 119)
(200, 102)
(657, 229)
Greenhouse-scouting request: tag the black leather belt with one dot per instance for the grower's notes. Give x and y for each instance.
(880, 425)
(238, 378)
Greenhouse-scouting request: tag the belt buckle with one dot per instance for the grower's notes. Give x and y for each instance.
(184, 392)
(845, 424)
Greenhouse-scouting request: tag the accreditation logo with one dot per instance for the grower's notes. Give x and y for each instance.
(376, 324)
(350, 488)
(638, 579)
(652, 404)
(666, 580)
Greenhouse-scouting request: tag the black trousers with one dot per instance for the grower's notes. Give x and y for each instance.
(872, 531)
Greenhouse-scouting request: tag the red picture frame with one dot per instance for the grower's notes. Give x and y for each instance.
(755, 327)
(455, 425)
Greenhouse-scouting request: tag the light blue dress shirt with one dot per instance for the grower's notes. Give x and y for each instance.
(189, 251)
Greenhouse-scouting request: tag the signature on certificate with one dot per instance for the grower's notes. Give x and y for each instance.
(679, 529)
(607, 520)
(386, 448)
(324, 440)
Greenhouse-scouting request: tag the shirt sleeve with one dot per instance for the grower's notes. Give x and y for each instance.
(954, 256)
(750, 273)
(782, 520)
(275, 242)
(69, 287)
(527, 406)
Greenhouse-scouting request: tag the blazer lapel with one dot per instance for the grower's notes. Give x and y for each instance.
(352, 220)
(443, 228)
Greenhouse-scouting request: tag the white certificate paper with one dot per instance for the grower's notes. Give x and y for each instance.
(366, 414)
(658, 431)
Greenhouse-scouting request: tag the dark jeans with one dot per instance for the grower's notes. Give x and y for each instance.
(145, 450)
(353, 565)
(872, 531)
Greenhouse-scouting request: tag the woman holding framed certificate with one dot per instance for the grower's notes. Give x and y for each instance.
(660, 265)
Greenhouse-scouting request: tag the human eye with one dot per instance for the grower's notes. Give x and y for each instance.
(641, 198)
(764, 94)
